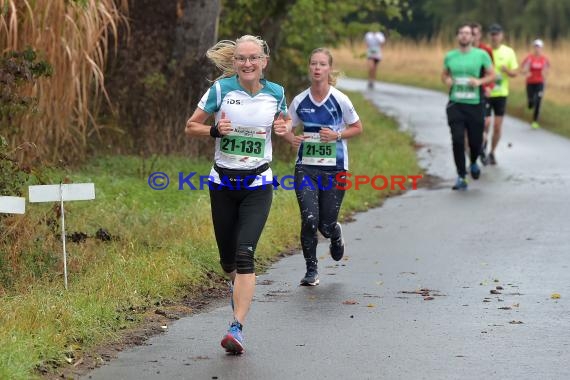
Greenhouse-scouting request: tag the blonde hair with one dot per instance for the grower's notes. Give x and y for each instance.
(222, 53)
(333, 74)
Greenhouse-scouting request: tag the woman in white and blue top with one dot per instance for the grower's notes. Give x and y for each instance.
(328, 118)
(246, 107)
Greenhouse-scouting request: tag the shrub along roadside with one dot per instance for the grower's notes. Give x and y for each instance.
(156, 246)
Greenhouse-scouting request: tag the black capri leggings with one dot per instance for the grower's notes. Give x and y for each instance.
(319, 201)
(239, 217)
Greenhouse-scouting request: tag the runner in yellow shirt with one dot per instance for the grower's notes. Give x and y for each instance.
(506, 67)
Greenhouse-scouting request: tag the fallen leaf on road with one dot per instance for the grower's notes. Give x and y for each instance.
(495, 291)
(505, 308)
(428, 298)
(379, 283)
(424, 292)
(370, 305)
(555, 296)
(499, 287)
(350, 302)
(513, 322)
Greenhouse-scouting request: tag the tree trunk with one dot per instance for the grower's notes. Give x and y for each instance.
(160, 72)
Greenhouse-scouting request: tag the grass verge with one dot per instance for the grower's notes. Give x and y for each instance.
(138, 248)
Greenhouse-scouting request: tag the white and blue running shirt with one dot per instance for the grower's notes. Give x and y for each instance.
(335, 112)
(248, 146)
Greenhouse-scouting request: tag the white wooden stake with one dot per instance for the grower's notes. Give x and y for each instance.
(62, 192)
(63, 236)
(12, 205)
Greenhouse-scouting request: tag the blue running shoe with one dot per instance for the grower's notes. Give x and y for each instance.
(460, 184)
(233, 340)
(475, 171)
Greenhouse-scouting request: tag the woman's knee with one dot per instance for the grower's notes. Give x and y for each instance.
(309, 225)
(327, 229)
(228, 266)
(244, 259)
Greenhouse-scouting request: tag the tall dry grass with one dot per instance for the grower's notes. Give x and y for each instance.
(422, 62)
(73, 37)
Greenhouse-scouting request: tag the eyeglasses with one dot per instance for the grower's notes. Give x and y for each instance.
(254, 59)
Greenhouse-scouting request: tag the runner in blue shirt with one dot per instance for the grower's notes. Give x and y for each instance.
(328, 119)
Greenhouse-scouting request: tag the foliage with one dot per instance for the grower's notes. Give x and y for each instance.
(159, 74)
(17, 70)
(294, 28)
(12, 176)
(75, 37)
(521, 19)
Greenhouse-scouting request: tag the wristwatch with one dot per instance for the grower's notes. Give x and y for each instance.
(338, 136)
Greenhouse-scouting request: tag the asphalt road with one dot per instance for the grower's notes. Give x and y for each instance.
(370, 318)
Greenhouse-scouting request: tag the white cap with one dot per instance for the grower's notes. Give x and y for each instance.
(538, 42)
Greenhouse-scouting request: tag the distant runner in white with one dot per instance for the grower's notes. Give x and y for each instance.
(374, 41)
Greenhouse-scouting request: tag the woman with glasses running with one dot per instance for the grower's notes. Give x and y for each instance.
(328, 119)
(246, 107)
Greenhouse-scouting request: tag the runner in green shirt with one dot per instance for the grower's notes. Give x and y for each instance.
(462, 69)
